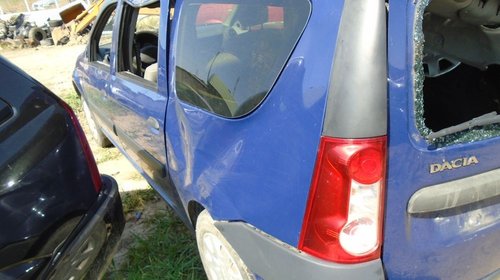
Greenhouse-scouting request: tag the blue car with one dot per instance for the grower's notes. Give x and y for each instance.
(310, 139)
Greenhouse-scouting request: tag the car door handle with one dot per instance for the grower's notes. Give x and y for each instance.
(153, 123)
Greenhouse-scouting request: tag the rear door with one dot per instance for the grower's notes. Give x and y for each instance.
(443, 205)
(138, 93)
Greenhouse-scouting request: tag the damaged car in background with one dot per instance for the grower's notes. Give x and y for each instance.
(310, 139)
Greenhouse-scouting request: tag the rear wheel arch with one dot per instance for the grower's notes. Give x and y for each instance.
(220, 260)
(194, 209)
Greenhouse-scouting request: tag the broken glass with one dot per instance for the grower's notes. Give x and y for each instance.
(424, 74)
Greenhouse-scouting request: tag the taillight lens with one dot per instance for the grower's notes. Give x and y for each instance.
(343, 220)
(94, 172)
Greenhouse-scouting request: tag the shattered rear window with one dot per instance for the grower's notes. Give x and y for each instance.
(439, 59)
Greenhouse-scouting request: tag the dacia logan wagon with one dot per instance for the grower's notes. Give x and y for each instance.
(310, 139)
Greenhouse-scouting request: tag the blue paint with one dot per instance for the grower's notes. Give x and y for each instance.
(430, 247)
(258, 168)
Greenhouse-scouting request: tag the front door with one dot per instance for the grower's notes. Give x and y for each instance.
(95, 81)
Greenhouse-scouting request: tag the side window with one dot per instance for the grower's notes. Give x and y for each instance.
(230, 54)
(138, 44)
(100, 45)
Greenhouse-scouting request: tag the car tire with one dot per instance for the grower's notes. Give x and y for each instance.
(97, 135)
(36, 35)
(219, 259)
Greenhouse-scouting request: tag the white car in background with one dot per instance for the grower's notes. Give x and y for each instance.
(44, 4)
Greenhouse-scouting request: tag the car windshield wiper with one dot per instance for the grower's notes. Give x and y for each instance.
(486, 119)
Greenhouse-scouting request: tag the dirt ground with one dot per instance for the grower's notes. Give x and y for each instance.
(53, 66)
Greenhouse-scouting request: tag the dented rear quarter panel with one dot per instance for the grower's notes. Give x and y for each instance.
(258, 168)
(461, 243)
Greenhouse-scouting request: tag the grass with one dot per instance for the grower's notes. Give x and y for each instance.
(168, 252)
(73, 101)
(106, 154)
(135, 200)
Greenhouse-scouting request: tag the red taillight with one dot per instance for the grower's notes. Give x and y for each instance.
(343, 220)
(94, 172)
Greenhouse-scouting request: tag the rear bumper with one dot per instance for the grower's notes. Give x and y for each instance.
(268, 258)
(104, 220)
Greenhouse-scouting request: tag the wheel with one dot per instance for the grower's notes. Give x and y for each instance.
(98, 137)
(36, 35)
(219, 259)
(436, 65)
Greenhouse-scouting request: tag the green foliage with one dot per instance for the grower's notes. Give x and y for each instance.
(135, 200)
(169, 252)
(107, 154)
(73, 101)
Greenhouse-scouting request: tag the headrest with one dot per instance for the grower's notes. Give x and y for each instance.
(149, 54)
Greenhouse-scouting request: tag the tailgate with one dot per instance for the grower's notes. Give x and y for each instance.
(443, 191)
